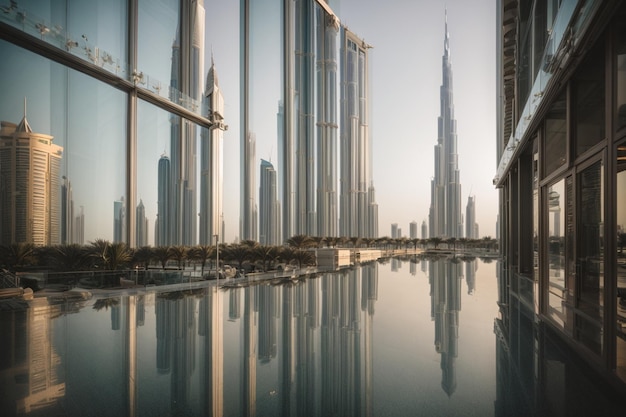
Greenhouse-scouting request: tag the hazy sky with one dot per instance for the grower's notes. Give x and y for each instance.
(406, 74)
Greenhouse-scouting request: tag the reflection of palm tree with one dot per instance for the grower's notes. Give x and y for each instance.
(105, 303)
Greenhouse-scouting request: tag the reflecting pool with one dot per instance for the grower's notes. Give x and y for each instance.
(400, 338)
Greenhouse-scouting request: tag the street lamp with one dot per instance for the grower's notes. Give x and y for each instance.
(217, 258)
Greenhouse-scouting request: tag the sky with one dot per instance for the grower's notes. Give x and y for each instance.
(406, 73)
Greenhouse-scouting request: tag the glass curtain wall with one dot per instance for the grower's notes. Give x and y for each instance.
(77, 94)
(87, 120)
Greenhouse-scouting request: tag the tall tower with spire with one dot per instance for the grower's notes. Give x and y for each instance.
(30, 186)
(445, 216)
(211, 162)
(188, 81)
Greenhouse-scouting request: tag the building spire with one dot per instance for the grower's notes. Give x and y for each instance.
(24, 126)
(446, 41)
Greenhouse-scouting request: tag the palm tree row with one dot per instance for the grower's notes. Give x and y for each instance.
(104, 255)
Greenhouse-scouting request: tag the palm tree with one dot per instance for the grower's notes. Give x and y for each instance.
(303, 257)
(71, 257)
(202, 253)
(436, 241)
(332, 241)
(318, 241)
(238, 253)
(266, 255)
(452, 241)
(356, 241)
(143, 256)
(98, 251)
(415, 241)
(17, 255)
(117, 256)
(300, 241)
(179, 253)
(162, 254)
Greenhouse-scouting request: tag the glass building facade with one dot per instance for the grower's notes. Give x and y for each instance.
(561, 149)
(119, 87)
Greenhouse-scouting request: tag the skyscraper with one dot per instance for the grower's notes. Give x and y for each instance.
(269, 220)
(184, 132)
(308, 85)
(413, 230)
(471, 228)
(359, 211)
(211, 162)
(164, 228)
(67, 212)
(30, 207)
(141, 234)
(119, 220)
(445, 219)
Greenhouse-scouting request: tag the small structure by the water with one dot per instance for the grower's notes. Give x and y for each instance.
(330, 258)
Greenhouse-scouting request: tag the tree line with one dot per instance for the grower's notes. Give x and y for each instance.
(105, 255)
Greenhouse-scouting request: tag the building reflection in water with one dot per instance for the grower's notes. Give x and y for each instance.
(445, 278)
(293, 348)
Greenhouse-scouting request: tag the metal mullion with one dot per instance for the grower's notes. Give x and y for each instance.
(131, 129)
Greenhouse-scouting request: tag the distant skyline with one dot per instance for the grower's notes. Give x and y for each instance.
(407, 40)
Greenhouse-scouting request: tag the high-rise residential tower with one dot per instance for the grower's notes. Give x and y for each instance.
(119, 220)
(212, 163)
(67, 212)
(141, 234)
(413, 230)
(445, 218)
(269, 212)
(471, 227)
(164, 228)
(30, 206)
(358, 209)
(303, 62)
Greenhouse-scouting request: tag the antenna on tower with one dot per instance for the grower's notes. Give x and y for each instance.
(24, 106)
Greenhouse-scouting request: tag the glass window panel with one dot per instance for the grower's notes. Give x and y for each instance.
(554, 154)
(590, 257)
(87, 120)
(94, 30)
(156, 44)
(556, 252)
(621, 260)
(620, 50)
(100, 26)
(589, 89)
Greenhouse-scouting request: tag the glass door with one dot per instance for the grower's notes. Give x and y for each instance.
(590, 257)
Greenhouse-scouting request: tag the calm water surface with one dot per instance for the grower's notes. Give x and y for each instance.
(394, 339)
